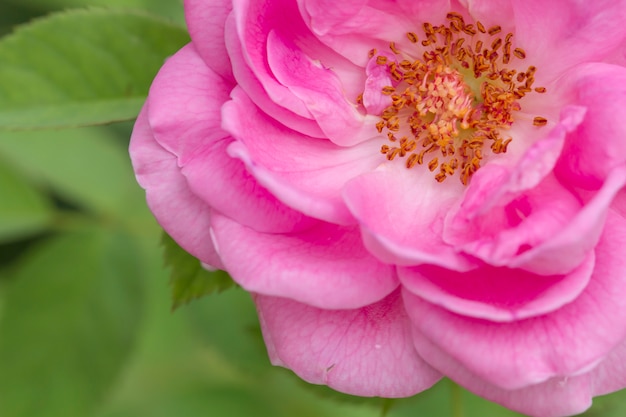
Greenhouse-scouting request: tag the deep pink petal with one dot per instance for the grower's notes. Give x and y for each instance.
(248, 81)
(496, 294)
(303, 172)
(206, 21)
(568, 341)
(320, 90)
(184, 216)
(365, 352)
(556, 397)
(401, 212)
(597, 146)
(325, 266)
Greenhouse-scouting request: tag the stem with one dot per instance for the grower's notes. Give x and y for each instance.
(457, 400)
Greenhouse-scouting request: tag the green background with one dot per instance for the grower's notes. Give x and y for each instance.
(86, 324)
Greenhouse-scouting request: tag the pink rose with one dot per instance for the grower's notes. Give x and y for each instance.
(409, 189)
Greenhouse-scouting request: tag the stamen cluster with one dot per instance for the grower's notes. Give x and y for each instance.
(455, 98)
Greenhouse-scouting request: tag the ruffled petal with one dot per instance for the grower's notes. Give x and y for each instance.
(500, 235)
(248, 81)
(325, 266)
(401, 213)
(569, 341)
(568, 246)
(206, 21)
(496, 294)
(595, 147)
(365, 352)
(305, 173)
(185, 217)
(321, 91)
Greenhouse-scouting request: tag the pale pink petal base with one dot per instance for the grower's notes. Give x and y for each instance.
(366, 352)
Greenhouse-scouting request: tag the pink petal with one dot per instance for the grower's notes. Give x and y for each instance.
(565, 249)
(325, 266)
(225, 184)
(184, 216)
(586, 160)
(496, 294)
(365, 352)
(500, 235)
(491, 13)
(354, 27)
(561, 33)
(321, 91)
(248, 81)
(565, 342)
(303, 172)
(401, 212)
(185, 104)
(206, 21)
(185, 114)
(537, 161)
(556, 397)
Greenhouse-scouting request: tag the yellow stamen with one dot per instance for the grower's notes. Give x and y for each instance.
(456, 100)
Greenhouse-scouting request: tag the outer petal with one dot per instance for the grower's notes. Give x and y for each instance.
(206, 21)
(366, 352)
(185, 114)
(325, 266)
(184, 104)
(566, 342)
(303, 172)
(556, 397)
(183, 215)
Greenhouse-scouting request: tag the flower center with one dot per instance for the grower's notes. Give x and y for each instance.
(455, 99)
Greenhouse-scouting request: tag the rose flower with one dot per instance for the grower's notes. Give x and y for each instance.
(409, 189)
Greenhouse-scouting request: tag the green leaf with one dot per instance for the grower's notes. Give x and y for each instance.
(86, 167)
(189, 280)
(82, 67)
(68, 325)
(170, 9)
(23, 209)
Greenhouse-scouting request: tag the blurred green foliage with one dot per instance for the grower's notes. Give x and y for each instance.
(86, 327)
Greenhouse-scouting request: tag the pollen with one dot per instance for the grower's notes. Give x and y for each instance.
(453, 97)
